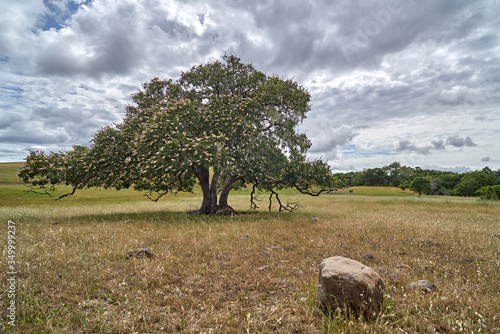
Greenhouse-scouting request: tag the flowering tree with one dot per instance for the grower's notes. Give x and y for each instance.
(222, 124)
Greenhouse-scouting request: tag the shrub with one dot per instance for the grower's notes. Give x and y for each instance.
(489, 192)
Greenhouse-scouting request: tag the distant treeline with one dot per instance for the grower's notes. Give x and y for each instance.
(484, 183)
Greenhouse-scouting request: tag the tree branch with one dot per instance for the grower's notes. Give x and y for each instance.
(46, 192)
(290, 207)
(253, 198)
(179, 178)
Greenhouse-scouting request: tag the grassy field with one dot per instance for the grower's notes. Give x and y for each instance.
(8, 172)
(249, 273)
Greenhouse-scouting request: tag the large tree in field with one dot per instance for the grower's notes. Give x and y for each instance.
(223, 120)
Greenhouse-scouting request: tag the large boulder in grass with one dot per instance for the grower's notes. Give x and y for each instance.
(347, 283)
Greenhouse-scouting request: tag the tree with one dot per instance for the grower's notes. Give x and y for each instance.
(398, 174)
(225, 117)
(420, 185)
(358, 179)
(489, 192)
(405, 185)
(375, 177)
(472, 182)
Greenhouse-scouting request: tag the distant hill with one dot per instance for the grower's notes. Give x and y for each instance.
(8, 172)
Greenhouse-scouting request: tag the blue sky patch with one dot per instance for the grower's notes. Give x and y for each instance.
(55, 17)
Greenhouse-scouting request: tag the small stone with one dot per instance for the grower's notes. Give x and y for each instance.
(367, 256)
(55, 223)
(266, 253)
(264, 268)
(424, 286)
(314, 219)
(129, 222)
(300, 272)
(389, 273)
(394, 276)
(244, 236)
(140, 253)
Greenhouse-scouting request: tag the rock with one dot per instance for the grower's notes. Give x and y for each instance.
(367, 256)
(348, 283)
(140, 253)
(423, 285)
(266, 253)
(129, 222)
(244, 236)
(314, 219)
(389, 273)
(264, 268)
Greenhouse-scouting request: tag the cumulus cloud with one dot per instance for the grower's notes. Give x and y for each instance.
(458, 141)
(407, 147)
(327, 140)
(459, 95)
(438, 144)
(486, 159)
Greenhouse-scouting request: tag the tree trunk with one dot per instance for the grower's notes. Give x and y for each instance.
(203, 177)
(209, 189)
(213, 190)
(208, 201)
(224, 194)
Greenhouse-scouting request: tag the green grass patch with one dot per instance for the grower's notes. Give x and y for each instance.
(8, 172)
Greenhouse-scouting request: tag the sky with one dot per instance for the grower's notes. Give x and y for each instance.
(416, 82)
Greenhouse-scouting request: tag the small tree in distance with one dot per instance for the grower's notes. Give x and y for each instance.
(420, 185)
(225, 117)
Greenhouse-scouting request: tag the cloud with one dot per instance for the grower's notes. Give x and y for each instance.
(456, 169)
(438, 144)
(458, 95)
(486, 159)
(99, 40)
(407, 147)
(34, 139)
(458, 141)
(327, 140)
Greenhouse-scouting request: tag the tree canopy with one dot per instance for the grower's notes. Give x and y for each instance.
(223, 120)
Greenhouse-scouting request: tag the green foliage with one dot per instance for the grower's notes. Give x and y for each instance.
(405, 185)
(223, 116)
(375, 177)
(472, 182)
(358, 179)
(441, 182)
(489, 193)
(398, 174)
(420, 185)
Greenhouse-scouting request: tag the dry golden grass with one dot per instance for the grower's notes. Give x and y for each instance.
(252, 273)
